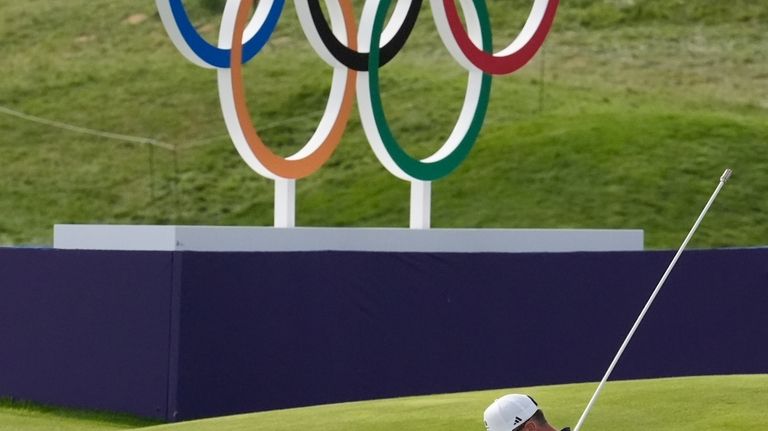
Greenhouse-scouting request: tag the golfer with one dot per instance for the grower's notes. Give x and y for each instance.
(516, 412)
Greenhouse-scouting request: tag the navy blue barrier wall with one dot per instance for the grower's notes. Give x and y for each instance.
(273, 330)
(86, 329)
(205, 334)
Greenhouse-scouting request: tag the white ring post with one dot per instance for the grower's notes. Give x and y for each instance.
(421, 204)
(285, 202)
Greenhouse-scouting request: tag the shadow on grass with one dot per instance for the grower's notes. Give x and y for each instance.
(117, 419)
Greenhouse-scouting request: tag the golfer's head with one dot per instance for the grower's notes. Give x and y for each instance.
(515, 412)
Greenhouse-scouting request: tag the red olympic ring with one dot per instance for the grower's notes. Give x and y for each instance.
(502, 63)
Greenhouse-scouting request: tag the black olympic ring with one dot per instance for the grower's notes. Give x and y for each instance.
(359, 60)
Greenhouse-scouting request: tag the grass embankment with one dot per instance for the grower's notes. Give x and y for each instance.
(734, 403)
(22, 416)
(624, 121)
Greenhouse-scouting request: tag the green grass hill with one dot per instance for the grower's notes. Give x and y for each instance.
(625, 120)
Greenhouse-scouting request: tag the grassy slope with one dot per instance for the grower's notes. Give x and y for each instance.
(682, 404)
(18, 416)
(642, 106)
(700, 404)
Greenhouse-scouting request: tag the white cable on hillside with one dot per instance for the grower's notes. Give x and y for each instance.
(168, 146)
(87, 131)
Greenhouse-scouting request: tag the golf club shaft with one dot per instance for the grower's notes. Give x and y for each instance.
(723, 179)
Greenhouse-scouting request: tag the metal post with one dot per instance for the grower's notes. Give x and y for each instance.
(285, 203)
(421, 204)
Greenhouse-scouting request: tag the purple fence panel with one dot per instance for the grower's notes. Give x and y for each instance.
(86, 329)
(710, 318)
(186, 335)
(262, 331)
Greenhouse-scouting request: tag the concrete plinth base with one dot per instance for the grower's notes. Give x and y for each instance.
(218, 238)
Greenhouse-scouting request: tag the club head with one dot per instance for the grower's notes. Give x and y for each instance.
(566, 429)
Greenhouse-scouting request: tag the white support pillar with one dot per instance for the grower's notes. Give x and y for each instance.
(421, 204)
(285, 203)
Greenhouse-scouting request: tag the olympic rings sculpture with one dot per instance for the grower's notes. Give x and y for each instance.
(356, 54)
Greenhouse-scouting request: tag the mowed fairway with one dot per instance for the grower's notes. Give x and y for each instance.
(680, 404)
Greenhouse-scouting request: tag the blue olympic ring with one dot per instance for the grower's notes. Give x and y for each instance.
(218, 57)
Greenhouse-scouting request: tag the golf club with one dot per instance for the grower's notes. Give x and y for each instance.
(723, 179)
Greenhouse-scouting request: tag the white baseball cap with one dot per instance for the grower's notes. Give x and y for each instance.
(509, 412)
